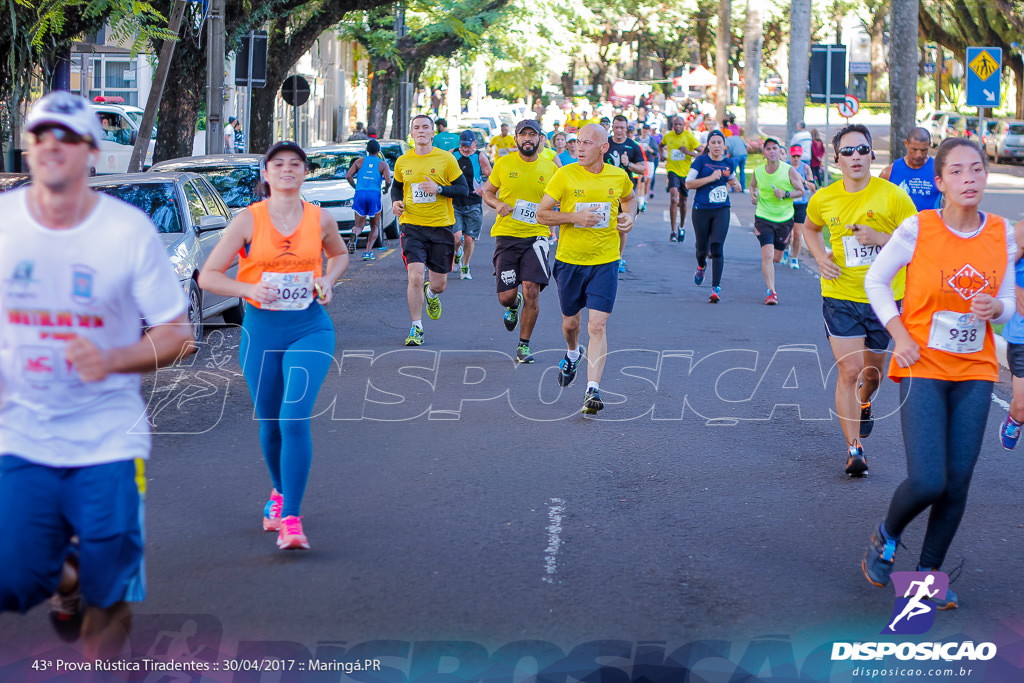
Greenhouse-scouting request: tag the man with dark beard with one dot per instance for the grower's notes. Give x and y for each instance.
(514, 189)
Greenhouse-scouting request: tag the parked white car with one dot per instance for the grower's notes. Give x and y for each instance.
(326, 186)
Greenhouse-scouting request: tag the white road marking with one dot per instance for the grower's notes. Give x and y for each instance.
(1000, 402)
(555, 509)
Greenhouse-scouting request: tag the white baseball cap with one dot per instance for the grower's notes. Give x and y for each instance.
(63, 108)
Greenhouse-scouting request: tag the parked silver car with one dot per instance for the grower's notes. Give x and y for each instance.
(191, 218)
(1007, 142)
(235, 176)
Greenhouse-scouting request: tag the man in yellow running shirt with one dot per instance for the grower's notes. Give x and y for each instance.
(861, 213)
(515, 189)
(426, 179)
(589, 195)
(502, 144)
(678, 146)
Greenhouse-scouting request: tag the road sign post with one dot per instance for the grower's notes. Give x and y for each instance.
(984, 67)
(295, 91)
(827, 86)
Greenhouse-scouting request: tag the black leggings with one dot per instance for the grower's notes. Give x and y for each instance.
(943, 425)
(710, 227)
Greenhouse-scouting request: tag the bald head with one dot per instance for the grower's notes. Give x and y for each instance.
(592, 144)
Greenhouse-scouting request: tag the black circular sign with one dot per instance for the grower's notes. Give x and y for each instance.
(295, 90)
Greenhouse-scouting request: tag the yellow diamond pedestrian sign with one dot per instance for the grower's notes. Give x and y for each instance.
(984, 65)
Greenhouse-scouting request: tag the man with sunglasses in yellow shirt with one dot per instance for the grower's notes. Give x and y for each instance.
(861, 213)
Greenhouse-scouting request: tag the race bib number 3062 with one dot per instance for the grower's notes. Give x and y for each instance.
(295, 290)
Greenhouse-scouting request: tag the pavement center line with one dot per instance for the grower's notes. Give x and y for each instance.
(555, 509)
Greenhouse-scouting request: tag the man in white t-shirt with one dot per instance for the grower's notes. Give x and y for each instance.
(89, 301)
(802, 137)
(229, 135)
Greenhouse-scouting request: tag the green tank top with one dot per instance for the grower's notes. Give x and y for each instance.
(768, 207)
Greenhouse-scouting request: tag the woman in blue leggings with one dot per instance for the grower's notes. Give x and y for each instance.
(287, 344)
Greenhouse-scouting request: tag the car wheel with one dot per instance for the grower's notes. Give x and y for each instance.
(236, 314)
(195, 310)
(391, 232)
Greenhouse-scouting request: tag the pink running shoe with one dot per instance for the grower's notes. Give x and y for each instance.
(291, 537)
(272, 511)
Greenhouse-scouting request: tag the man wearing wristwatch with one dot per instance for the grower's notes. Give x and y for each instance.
(426, 179)
(773, 187)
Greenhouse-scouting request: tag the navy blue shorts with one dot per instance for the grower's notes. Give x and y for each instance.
(679, 182)
(366, 203)
(846, 319)
(799, 213)
(45, 506)
(591, 287)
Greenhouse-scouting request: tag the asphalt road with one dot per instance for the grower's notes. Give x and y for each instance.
(468, 524)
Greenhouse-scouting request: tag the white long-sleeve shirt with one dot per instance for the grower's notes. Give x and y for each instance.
(898, 252)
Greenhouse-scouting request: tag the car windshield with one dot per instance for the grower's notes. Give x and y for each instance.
(156, 200)
(330, 165)
(1015, 129)
(391, 152)
(236, 184)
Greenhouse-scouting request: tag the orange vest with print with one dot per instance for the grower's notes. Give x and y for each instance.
(271, 252)
(945, 274)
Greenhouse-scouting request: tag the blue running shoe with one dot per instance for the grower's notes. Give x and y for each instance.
(511, 317)
(1009, 433)
(698, 277)
(878, 561)
(592, 402)
(867, 420)
(856, 463)
(567, 368)
(716, 295)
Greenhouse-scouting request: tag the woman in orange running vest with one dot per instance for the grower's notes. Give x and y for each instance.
(280, 243)
(959, 281)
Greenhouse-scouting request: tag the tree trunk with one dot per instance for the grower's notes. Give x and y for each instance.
(799, 63)
(183, 96)
(876, 93)
(567, 84)
(705, 10)
(752, 45)
(902, 72)
(383, 87)
(722, 41)
(1017, 66)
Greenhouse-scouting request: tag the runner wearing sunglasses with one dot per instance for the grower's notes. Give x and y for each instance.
(861, 213)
